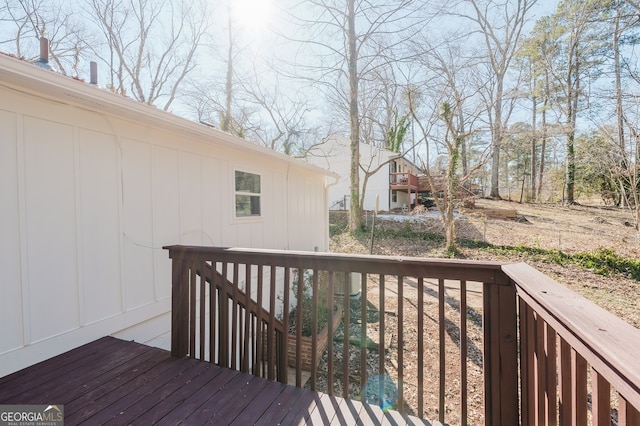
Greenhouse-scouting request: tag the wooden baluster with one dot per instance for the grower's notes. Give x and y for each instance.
(258, 364)
(628, 415)
(578, 389)
(541, 373)
(286, 303)
(345, 341)
(525, 362)
(299, 310)
(463, 353)
(247, 319)
(179, 307)
(223, 318)
(330, 297)
(203, 299)
(192, 308)
(566, 403)
(314, 327)
(400, 403)
(420, 347)
(363, 330)
(551, 381)
(441, 345)
(600, 399)
(234, 318)
(271, 358)
(382, 349)
(500, 354)
(213, 313)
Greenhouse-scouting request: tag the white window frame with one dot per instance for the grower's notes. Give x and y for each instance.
(250, 194)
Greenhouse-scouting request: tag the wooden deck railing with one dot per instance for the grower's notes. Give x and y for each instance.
(578, 361)
(485, 334)
(214, 319)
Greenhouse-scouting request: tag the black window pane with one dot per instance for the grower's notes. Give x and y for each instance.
(247, 182)
(247, 205)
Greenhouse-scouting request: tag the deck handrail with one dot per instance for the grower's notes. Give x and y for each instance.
(537, 335)
(607, 343)
(395, 271)
(403, 178)
(455, 269)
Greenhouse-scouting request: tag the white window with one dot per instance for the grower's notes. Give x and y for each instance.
(247, 194)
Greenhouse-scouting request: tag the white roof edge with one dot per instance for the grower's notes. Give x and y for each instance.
(38, 81)
(391, 154)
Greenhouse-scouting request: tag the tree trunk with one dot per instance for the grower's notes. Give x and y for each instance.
(616, 58)
(450, 194)
(454, 141)
(543, 145)
(497, 135)
(355, 212)
(534, 143)
(225, 124)
(463, 146)
(570, 169)
(573, 91)
(495, 169)
(619, 111)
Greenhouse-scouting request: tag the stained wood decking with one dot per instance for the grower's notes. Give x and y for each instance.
(111, 381)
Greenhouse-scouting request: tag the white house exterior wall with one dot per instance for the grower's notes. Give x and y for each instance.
(90, 197)
(334, 155)
(378, 183)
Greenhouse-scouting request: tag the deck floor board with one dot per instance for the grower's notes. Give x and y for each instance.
(96, 394)
(15, 384)
(271, 410)
(112, 381)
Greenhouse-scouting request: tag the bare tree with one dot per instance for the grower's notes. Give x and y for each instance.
(500, 25)
(447, 113)
(279, 122)
(225, 119)
(452, 141)
(24, 22)
(149, 45)
(540, 89)
(348, 40)
(578, 58)
(234, 93)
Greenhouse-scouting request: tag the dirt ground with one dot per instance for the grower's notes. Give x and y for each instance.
(570, 229)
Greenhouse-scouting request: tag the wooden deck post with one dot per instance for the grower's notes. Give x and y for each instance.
(179, 307)
(500, 355)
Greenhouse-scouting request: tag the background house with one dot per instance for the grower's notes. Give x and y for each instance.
(93, 185)
(395, 182)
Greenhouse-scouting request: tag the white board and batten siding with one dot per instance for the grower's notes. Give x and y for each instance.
(93, 185)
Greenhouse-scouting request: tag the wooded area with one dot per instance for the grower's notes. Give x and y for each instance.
(541, 102)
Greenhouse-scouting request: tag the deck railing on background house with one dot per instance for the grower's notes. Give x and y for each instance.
(404, 180)
(460, 341)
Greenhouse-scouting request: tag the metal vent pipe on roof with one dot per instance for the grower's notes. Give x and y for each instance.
(43, 61)
(93, 72)
(44, 49)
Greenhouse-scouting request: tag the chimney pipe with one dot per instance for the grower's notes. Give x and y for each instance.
(44, 49)
(93, 73)
(43, 62)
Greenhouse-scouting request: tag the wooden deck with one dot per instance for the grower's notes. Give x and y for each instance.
(118, 382)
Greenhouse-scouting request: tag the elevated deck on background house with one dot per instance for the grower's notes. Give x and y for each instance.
(116, 381)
